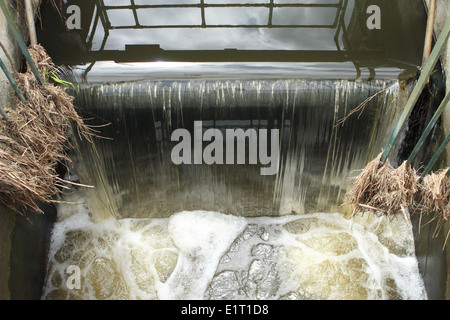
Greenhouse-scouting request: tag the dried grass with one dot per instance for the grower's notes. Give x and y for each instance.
(34, 139)
(386, 191)
(434, 198)
(383, 190)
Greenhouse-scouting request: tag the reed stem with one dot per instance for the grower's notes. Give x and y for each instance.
(435, 157)
(23, 47)
(11, 80)
(421, 82)
(430, 126)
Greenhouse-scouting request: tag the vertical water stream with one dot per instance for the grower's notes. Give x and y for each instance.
(153, 229)
(316, 155)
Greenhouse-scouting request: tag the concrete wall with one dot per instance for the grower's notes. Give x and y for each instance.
(7, 39)
(7, 218)
(442, 12)
(7, 223)
(20, 238)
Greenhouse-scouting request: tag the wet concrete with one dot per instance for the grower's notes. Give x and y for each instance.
(29, 246)
(7, 219)
(23, 238)
(7, 222)
(434, 261)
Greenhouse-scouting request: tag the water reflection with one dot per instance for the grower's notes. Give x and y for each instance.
(256, 31)
(109, 71)
(207, 24)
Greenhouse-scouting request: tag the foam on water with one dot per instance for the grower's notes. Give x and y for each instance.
(210, 255)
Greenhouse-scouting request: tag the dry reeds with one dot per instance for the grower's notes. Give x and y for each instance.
(382, 190)
(33, 140)
(434, 198)
(386, 191)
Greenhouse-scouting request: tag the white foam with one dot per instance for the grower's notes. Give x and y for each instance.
(202, 238)
(203, 233)
(200, 255)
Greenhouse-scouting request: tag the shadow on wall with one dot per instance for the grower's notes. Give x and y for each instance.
(30, 240)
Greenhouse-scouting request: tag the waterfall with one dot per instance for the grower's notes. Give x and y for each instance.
(155, 228)
(135, 176)
(227, 140)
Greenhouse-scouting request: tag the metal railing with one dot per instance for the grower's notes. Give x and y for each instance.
(102, 16)
(202, 6)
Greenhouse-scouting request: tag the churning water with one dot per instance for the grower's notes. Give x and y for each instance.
(155, 230)
(210, 255)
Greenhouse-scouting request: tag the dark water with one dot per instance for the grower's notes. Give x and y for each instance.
(316, 155)
(330, 34)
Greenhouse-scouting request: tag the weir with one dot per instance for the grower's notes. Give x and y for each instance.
(155, 227)
(316, 155)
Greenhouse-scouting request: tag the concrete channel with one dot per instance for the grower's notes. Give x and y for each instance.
(23, 241)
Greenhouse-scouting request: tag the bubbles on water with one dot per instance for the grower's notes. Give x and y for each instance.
(343, 259)
(118, 260)
(248, 268)
(209, 255)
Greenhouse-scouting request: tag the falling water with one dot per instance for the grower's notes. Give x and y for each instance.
(133, 165)
(151, 229)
